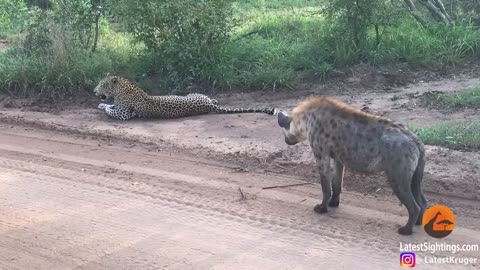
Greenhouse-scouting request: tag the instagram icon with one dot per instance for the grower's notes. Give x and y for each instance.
(407, 259)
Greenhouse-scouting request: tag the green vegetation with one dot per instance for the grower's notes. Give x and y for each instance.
(456, 135)
(469, 98)
(249, 44)
(10, 13)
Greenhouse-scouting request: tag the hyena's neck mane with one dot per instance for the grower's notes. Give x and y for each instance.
(334, 107)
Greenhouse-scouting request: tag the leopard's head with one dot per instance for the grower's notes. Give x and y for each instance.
(107, 87)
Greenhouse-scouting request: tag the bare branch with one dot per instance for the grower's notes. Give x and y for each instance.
(291, 185)
(242, 195)
(413, 10)
(255, 31)
(436, 12)
(441, 6)
(95, 41)
(453, 9)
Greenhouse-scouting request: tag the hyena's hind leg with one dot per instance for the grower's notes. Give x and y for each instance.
(337, 184)
(401, 184)
(417, 189)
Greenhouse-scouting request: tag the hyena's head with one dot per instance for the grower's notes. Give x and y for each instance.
(294, 128)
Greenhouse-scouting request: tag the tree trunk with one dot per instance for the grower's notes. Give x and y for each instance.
(99, 7)
(437, 13)
(442, 8)
(89, 36)
(413, 10)
(95, 41)
(453, 9)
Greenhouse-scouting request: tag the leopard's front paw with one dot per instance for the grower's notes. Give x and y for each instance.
(102, 106)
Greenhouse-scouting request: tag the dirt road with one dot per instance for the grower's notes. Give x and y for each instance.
(76, 202)
(81, 191)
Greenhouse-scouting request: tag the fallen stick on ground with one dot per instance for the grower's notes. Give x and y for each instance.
(291, 185)
(279, 166)
(243, 197)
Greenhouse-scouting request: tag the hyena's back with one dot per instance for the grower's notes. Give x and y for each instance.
(367, 144)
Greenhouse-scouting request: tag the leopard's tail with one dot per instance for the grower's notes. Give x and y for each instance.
(270, 111)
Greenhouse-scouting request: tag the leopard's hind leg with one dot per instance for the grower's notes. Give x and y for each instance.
(214, 101)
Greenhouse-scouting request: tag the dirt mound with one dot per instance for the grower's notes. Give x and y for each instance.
(385, 77)
(53, 103)
(4, 44)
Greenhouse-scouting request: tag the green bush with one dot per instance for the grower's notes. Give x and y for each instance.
(358, 24)
(185, 36)
(11, 12)
(58, 75)
(48, 62)
(53, 56)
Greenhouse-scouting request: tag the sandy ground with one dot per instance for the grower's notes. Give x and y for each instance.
(81, 191)
(67, 203)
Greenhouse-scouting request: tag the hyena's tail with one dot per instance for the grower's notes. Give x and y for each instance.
(417, 180)
(270, 111)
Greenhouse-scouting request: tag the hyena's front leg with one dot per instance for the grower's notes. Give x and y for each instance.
(337, 184)
(325, 182)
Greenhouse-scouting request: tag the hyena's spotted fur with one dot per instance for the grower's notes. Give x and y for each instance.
(360, 141)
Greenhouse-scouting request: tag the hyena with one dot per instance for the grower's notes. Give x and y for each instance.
(360, 141)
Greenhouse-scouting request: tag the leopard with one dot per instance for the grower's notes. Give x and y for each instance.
(130, 101)
(342, 136)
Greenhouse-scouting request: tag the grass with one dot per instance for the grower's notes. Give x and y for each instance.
(425, 47)
(456, 135)
(279, 43)
(275, 4)
(469, 98)
(62, 71)
(282, 50)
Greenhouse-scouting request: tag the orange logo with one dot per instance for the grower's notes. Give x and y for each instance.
(438, 221)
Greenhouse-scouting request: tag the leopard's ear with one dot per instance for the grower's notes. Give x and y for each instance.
(115, 80)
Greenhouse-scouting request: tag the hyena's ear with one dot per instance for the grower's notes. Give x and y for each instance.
(114, 80)
(284, 120)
